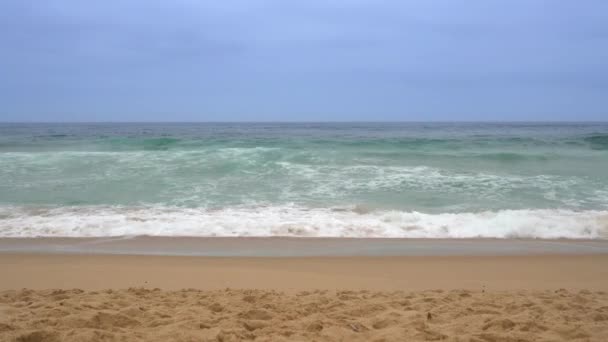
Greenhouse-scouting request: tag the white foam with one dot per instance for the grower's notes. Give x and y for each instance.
(291, 220)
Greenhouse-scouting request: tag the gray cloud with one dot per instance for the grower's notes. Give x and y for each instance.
(303, 60)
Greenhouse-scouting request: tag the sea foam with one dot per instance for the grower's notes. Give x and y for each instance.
(297, 221)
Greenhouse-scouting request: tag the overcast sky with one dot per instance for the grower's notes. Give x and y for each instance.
(307, 60)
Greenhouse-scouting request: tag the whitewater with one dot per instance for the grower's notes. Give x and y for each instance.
(396, 180)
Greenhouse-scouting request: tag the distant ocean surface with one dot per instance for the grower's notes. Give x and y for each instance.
(418, 180)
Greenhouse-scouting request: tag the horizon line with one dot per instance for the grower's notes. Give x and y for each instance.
(315, 121)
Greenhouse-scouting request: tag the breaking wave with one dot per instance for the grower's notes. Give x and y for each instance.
(296, 221)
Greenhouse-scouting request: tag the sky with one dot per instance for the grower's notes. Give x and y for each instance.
(312, 60)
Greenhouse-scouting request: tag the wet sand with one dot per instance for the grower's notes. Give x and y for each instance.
(94, 272)
(299, 247)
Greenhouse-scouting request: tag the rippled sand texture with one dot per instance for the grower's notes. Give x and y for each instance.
(234, 315)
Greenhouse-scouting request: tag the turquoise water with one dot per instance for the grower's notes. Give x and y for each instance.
(308, 179)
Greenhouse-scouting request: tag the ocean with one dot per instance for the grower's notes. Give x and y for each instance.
(402, 180)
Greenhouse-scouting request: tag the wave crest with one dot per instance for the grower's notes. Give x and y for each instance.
(597, 142)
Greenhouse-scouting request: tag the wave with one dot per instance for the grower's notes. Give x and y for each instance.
(598, 141)
(297, 221)
(160, 142)
(146, 144)
(232, 176)
(512, 156)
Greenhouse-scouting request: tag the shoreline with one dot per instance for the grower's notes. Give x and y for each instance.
(388, 273)
(300, 246)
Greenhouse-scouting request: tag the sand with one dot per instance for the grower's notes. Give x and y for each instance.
(265, 315)
(299, 247)
(453, 298)
(412, 273)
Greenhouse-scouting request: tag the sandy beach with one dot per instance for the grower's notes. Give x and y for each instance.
(94, 297)
(303, 171)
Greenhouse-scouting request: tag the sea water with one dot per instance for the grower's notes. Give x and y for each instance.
(420, 180)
